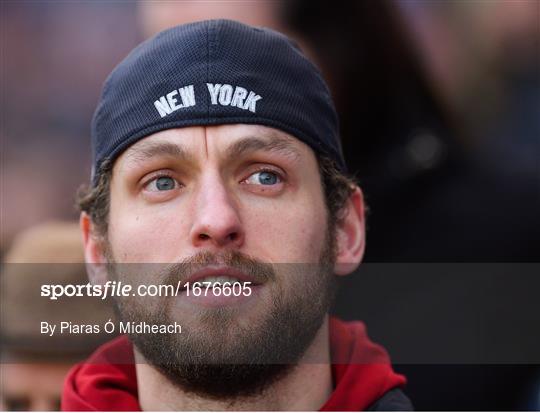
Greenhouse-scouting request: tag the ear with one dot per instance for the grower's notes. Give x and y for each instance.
(96, 263)
(351, 235)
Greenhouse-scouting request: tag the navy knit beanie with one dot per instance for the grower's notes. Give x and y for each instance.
(211, 73)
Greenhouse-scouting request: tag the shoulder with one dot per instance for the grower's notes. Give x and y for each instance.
(393, 400)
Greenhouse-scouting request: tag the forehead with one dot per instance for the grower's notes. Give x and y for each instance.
(225, 141)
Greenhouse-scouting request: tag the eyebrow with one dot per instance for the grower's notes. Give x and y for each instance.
(271, 143)
(152, 149)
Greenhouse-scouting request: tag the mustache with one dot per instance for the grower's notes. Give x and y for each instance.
(181, 271)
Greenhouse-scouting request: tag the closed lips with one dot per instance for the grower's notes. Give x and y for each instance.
(221, 275)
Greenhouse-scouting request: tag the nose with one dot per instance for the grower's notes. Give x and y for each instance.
(216, 219)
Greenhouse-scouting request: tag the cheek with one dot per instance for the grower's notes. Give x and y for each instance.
(287, 233)
(146, 234)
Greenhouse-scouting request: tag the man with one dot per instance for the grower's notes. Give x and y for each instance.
(218, 168)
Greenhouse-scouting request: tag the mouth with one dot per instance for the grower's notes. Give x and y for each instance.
(220, 275)
(219, 286)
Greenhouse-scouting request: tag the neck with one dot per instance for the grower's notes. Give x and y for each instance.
(306, 387)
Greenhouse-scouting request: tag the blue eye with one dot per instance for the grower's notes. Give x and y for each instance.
(264, 178)
(163, 183)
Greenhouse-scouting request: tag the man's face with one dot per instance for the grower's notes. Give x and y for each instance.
(240, 201)
(247, 188)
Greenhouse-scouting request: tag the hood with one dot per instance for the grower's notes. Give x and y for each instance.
(361, 373)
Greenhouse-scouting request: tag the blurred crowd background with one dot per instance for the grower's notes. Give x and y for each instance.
(439, 103)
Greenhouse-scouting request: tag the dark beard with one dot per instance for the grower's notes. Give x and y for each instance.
(226, 361)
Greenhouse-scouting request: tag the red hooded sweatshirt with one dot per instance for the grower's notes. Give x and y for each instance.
(361, 373)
